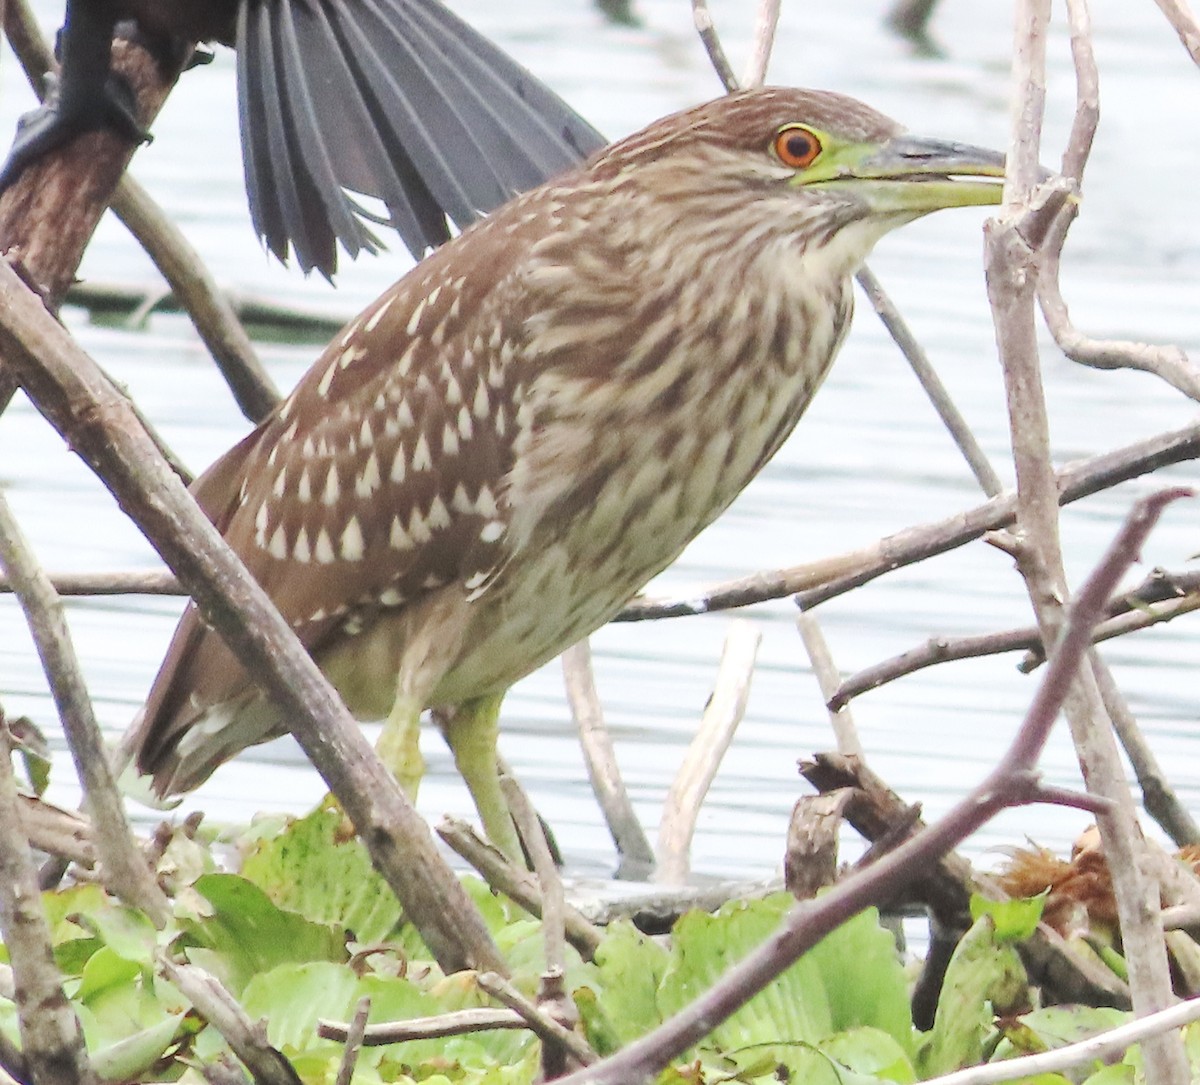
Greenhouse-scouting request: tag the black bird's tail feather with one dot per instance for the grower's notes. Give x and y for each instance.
(394, 99)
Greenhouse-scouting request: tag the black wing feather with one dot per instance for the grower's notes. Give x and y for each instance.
(394, 99)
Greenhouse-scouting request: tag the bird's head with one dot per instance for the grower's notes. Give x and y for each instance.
(800, 163)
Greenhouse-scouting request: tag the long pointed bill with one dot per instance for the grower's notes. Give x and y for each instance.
(912, 175)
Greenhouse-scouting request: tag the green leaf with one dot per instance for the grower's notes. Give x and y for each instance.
(312, 868)
(34, 750)
(126, 931)
(129, 1058)
(629, 968)
(104, 971)
(872, 1052)
(1015, 920)
(247, 934)
(1120, 1074)
(873, 991)
(983, 978)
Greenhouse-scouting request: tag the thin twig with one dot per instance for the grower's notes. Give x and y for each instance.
(197, 291)
(247, 1039)
(533, 839)
(938, 395)
(1072, 483)
(459, 1023)
(545, 1027)
(1168, 363)
(830, 680)
(51, 1038)
(516, 883)
(702, 17)
(724, 712)
(125, 871)
(1184, 22)
(945, 649)
(765, 23)
(636, 859)
(353, 1041)
(1104, 1048)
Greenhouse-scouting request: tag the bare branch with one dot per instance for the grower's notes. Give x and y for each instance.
(1179, 15)
(600, 756)
(515, 882)
(1104, 1048)
(547, 1029)
(51, 1037)
(459, 1023)
(830, 681)
(125, 871)
(724, 712)
(219, 1008)
(702, 17)
(916, 357)
(764, 40)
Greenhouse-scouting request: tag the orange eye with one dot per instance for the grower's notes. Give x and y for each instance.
(796, 146)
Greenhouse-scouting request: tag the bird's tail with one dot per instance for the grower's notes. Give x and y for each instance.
(394, 99)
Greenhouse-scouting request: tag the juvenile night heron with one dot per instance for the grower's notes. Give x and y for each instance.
(493, 457)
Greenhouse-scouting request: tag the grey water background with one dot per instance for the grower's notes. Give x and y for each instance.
(869, 458)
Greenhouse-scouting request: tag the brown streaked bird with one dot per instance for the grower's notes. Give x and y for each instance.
(494, 456)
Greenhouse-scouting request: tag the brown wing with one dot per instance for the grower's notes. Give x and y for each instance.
(380, 478)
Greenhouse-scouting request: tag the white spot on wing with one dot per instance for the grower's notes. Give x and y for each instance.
(327, 379)
(399, 466)
(492, 531)
(333, 487)
(368, 482)
(398, 538)
(352, 541)
(374, 319)
(422, 459)
(439, 515)
(324, 548)
(301, 551)
(278, 547)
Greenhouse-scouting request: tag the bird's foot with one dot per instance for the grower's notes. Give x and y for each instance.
(62, 117)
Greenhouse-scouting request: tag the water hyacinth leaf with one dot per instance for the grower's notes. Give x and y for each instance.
(864, 981)
(1120, 1074)
(247, 934)
(872, 1052)
(124, 930)
(793, 1008)
(311, 867)
(984, 978)
(1056, 1026)
(105, 971)
(132, 1056)
(291, 998)
(630, 967)
(1015, 920)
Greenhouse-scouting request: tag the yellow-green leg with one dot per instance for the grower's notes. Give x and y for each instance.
(399, 746)
(471, 733)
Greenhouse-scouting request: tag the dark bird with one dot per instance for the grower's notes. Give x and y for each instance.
(399, 100)
(493, 457)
